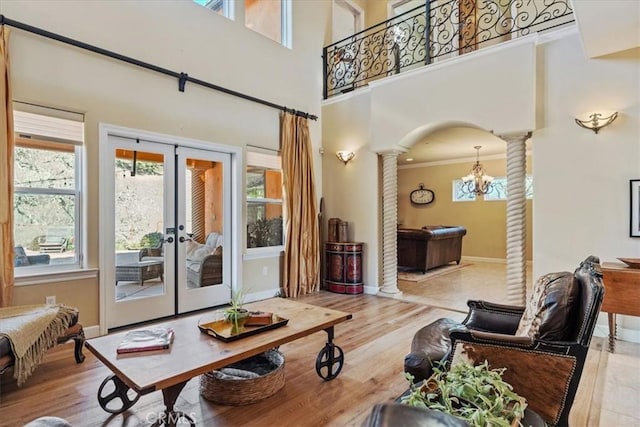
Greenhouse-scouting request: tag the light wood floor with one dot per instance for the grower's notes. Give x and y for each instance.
(374, 341)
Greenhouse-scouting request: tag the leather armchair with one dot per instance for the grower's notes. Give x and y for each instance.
(544, 366)
(398, 415)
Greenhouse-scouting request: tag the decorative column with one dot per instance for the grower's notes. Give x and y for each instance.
(516, 218)
(390, 224)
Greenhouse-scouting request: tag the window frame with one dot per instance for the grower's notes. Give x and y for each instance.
(286, 24)
(228, 8)
(473, 197)
(264, 251)
(41, 274)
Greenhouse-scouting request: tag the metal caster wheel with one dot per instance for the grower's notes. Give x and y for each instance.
(329, 362)
(120, 393)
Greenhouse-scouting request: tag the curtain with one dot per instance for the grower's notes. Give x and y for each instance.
(302, 254)
(6, 175)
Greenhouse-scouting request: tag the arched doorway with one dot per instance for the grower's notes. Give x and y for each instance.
(442, 147)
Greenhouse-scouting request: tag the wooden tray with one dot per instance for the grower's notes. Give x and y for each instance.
(221, 329)
(631, 262)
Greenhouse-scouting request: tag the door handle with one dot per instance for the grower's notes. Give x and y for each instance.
(169, 239)
(183, 239)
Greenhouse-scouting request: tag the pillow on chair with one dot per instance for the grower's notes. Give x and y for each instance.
(549, 314)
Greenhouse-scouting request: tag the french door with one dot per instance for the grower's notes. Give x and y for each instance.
(168, 214)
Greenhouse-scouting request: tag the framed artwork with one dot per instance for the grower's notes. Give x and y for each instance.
(634, 216)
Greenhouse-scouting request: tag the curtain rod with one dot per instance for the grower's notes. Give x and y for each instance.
(183, 78)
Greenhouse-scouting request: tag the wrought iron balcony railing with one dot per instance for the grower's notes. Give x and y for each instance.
(452, 28)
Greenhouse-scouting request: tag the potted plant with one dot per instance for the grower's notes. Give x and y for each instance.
(235, 313)
(476, 394)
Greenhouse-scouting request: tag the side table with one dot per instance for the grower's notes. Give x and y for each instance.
(344, 267)
(621, 295)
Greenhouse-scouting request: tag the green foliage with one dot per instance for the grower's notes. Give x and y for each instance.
(142, 167)
(475, 394)
(151, 240)
(235, 313)
(265, 232)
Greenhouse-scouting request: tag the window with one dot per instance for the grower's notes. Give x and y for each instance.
(47, 191)
(498, 190)
(264, 201)
(221, 7)
(271, 18)
(401, 6)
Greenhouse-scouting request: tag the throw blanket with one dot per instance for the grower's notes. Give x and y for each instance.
(32, 330)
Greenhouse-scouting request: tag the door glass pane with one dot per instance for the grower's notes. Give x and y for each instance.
(203, 222)
(139, 224)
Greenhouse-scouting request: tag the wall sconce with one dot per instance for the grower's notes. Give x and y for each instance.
(596, 121)
(345, 156)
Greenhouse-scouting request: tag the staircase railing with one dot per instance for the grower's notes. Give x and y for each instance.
(452, 28)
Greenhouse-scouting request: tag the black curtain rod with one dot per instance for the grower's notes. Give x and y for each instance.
(183, 78)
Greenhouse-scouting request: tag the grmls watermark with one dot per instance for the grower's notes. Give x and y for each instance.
(172, 418)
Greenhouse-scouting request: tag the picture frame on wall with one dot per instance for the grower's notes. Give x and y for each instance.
(634, 216)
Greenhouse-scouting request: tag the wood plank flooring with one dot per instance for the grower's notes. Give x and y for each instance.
(374, 341)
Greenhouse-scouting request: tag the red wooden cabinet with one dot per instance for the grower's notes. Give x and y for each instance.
(344, 267)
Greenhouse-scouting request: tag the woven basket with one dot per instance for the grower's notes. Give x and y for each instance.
(233, 386)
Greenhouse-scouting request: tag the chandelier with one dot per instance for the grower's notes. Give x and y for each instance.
(477, 182)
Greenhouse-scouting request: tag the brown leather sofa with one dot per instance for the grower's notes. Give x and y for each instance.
(430, 246)
(543, 363)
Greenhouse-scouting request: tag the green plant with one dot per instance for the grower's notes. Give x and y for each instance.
(265, 232)
(235, 313)
(151, 240)
(475, 394)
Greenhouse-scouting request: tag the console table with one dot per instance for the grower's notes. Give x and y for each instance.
(621, 295)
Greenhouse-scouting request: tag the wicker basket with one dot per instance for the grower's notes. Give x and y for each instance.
(245, 382)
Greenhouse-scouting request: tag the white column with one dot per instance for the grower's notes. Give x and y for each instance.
(390, 224)
(516, 218)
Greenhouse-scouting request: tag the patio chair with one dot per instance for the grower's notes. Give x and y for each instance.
(21, 259)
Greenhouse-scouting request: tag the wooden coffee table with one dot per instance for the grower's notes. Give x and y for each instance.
(194, 353)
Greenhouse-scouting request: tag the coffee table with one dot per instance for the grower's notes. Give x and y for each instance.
(194, 353)
(139, 271)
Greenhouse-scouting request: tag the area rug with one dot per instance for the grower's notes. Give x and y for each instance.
(418, 276)
(32, 330)
(126, 290)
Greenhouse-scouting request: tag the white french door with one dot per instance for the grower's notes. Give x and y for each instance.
(203, 194)
(166, 229)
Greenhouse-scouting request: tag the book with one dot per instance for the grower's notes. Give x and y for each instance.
(259, 318)
(157, 338)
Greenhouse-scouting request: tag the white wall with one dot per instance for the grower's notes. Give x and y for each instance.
(181, 36)
(352, 191)
(493, 89)
(581, 202)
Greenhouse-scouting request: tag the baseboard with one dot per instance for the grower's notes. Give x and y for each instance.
(91, 331)
(483, 259)
(258, 296)
(624, 334)
(371, 290)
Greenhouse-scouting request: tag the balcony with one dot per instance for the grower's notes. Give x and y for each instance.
(452, 28)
